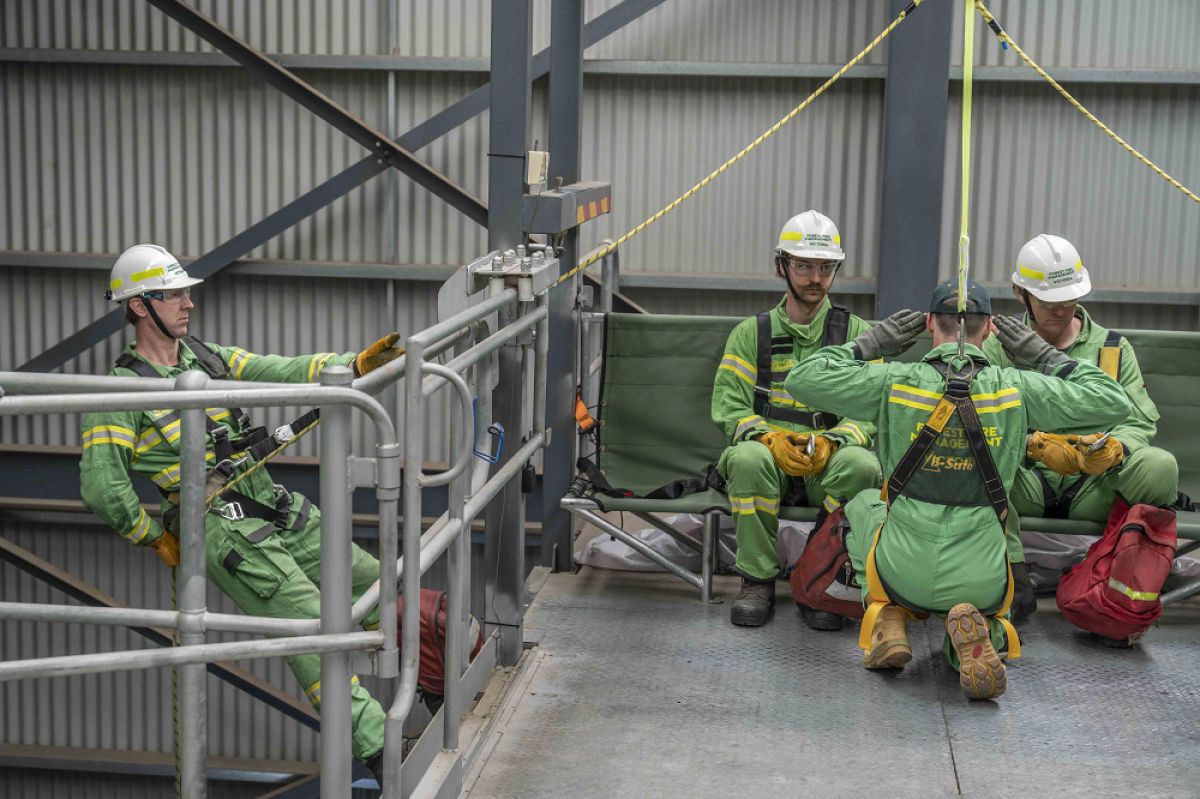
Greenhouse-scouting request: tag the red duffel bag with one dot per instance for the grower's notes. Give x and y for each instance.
(822, 577)
(1114, 592)
(431, 677)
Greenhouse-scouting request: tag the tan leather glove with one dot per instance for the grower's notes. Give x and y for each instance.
(166, 546)
(785, 452)
(1056, 451)
(821, 450)
(1110, 454)
(378, 354)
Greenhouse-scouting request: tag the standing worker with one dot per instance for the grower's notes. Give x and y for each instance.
(951, 437)
(263, 543)
(781, 450)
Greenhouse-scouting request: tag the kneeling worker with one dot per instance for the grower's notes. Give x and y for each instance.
(263, 543)
(951, 438)
(781, 450)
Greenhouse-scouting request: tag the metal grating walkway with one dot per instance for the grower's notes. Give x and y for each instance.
(637, 690)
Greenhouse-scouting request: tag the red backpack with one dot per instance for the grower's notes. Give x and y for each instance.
(822, 578)
(431, 677)
(1114, 592)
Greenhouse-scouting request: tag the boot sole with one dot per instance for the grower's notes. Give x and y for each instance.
(892, 655)
(749, 618)
(829, 622)
(981, 673)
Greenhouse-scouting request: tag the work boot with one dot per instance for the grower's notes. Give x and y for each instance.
(889, 640)
(820, 619)
(754, 604)
(375, 764)
(981, 673)
(1024, 602)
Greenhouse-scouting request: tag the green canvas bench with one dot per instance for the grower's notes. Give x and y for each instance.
(655, 425)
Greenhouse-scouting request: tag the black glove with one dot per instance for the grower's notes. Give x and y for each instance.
(890, 337)
(1024, 601)
(1026, 349)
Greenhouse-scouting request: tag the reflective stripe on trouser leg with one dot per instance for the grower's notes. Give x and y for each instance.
(264, 579)
(849, 471)
(754, 484)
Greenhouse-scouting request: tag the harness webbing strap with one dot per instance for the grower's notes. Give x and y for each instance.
(835, 331)
(1109, 359)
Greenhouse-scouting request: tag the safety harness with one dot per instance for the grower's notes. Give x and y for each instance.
(254, 441)
(837, 326)
(955, 400)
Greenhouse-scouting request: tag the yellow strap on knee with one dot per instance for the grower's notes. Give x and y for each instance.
(877, 598)
(1001, 615)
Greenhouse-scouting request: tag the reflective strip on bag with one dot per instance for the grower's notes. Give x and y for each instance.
(1132, 593)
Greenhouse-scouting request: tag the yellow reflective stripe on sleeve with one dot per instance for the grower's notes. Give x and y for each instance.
(748, 423)
(1000, 400)
(917, 392)
(780, 397)
(317, 364)
(738, 367)
(914, 397)
(169, 477)
(745, 506)
(148, 440)
(830, 504)
(238, 361)
(313, 692)
(1132, 593)
(217, 414)
(109, 434)
(851, 430)
(146, 274)
(139, 531)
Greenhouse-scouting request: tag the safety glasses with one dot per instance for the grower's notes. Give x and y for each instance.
(1055, 306)
(169, 296)
(808, 269)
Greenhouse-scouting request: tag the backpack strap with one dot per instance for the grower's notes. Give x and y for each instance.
(1109, 359)
(837, 326)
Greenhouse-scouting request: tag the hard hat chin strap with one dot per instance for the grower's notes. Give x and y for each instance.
(781, 269)
(154, 315)
(1029, 306)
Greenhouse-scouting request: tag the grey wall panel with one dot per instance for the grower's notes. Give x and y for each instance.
(286, 316)
(656, 137)
(122, 710)
(349, 27)
(1039, 167)
(1149, 34)
(28, 783)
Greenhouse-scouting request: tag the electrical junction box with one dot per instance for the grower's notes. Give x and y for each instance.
(568, 207)
(537, 164)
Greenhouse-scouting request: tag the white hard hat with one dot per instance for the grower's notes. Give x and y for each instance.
(1049, 268)
(811, 235)
(146, 267)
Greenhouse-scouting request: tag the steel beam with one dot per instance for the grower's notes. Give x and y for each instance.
(380, 145)
(566, 150)
(333, 189)
(88, 594)
(915, 103)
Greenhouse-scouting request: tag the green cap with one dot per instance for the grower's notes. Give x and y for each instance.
(945, 298)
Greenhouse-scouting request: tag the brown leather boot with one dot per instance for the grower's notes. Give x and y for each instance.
(889, 640)
(981, 673)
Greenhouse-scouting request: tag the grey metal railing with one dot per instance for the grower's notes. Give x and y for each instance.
(469, 375)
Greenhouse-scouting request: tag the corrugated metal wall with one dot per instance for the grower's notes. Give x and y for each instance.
(94, 157)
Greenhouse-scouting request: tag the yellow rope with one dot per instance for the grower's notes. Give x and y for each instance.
(1004, 37)
(208, 501)
(597, 255)
(964, 240)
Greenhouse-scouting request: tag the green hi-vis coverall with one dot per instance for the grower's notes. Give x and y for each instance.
(949, 547)
(1148, 474)
(754, 482)
(267, 569)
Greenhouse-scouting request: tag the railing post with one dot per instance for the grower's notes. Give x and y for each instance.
(192, 595)
(455, 592)
(335, 589)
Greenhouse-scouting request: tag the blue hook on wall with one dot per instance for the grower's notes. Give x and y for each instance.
(495, 430)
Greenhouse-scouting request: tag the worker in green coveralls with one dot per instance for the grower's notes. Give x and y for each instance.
(952, 435)
(782, 451)
(263, 543)
(1075, 482)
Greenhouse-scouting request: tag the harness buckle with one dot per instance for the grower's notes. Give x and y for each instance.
(233, 511)
(283, 434)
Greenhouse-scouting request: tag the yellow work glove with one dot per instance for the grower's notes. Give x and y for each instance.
(166, 546)
(1056, 451)
(821, 450)
(378, 354)
(1110, 454)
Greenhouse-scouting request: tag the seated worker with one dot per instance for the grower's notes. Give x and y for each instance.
(1073, 481)
(765, 464)
(263, 543)
(951, 437)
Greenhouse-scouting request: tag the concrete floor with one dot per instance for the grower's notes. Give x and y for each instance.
(636, 689)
